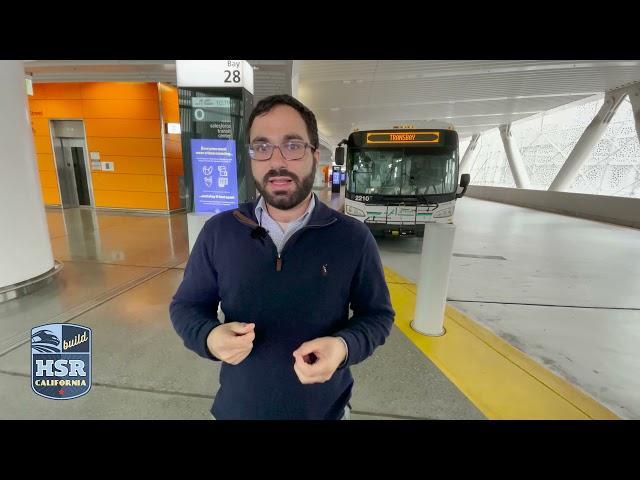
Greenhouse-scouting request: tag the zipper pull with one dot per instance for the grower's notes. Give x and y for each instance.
(278, 263)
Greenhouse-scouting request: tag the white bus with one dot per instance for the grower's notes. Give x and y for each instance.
(399, 180)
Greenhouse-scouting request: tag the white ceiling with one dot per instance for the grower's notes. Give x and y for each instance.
(473, 95)
(101, 70)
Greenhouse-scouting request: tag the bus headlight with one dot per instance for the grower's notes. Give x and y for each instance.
(356, 212)
(447, 212)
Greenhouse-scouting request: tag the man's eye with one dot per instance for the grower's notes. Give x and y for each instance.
(294, 146)
(261, 147)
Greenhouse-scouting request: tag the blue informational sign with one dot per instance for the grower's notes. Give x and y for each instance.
(215, 183)
(336, 178)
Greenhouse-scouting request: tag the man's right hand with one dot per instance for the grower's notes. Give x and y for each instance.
(231, 342)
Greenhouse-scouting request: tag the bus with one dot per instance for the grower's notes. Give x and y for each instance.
(400, 180)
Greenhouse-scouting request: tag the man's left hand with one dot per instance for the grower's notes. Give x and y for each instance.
(317, 359)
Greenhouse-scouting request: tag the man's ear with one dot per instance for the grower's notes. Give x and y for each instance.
(316, 156)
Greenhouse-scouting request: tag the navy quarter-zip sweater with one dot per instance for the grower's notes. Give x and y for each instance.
(331, 263)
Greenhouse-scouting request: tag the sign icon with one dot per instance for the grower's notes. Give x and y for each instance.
(222, 170)
(208, 181)
(207, 170)
(223, 181)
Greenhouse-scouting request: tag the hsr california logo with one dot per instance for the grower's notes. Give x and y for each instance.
(61, 360)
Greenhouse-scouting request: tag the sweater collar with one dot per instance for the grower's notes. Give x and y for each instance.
(320, 215)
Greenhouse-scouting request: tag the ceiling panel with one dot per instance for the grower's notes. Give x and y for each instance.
(474, 95)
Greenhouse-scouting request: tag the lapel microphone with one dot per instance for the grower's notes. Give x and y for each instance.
(259, 233)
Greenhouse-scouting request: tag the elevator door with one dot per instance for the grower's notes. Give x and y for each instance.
(72, 171)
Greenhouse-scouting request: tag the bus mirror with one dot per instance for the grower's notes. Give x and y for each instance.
(339, 156)
(465, 179)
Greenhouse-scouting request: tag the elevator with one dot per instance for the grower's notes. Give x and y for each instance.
(70, 153)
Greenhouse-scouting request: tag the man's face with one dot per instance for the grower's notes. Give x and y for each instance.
(283, 183)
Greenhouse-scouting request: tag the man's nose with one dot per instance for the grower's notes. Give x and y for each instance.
(277, 159)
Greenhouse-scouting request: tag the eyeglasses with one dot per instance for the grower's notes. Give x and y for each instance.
(291, 150)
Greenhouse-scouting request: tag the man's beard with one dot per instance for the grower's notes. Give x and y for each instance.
(286, 201)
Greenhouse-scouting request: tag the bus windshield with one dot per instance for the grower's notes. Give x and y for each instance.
(402, 172)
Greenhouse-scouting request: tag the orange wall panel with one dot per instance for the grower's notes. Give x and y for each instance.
(36, 108)
(57, 91)
(122, 127)
(173, 149)
(174, 166)
(45, 162)
(40, 126)
(123, 199)
(175, 138)
(120, 91)
(48, 179)
(136, 165)
(172, 183)
(131, 109)
(170, 107)
(122, 123)
(62, 108)
(174, 201)
(173, 143)
(137, 147)
(43, 144)
(128, 182)
(51, 196)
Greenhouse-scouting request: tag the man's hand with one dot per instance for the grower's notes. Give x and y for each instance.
(317, 359)
(231, 342)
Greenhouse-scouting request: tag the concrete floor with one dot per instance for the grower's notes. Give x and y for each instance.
(567, 291)
(120, 272)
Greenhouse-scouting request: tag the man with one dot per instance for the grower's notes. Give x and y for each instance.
(285, 270)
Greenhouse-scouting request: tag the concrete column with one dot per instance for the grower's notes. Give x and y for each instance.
(295, 77)
(435, 269)
(511, 148)
(25, 248)
(587, 141)
(470, 154)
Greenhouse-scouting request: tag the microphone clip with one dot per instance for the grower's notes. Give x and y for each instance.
(259, 233)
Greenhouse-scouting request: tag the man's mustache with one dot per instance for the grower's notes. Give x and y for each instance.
(281, 173)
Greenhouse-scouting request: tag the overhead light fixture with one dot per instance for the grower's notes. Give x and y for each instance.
(28, 82)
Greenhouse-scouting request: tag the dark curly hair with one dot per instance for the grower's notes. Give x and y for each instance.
(268, 103)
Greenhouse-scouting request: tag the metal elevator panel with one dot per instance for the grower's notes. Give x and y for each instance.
(66, 175)
(71, 162)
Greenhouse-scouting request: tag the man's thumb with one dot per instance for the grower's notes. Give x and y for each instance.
(241, 328)
(305, 349)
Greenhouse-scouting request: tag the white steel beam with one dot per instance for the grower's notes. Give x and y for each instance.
(470, 155)
(518, 169)
(634, 96)
(587, 141)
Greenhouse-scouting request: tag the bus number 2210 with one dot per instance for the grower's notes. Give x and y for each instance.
(362, 198)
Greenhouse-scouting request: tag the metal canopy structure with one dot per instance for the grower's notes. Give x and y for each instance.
(473, 95)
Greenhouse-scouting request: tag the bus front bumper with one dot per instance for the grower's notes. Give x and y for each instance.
(387, 230)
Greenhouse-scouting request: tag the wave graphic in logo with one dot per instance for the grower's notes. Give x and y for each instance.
(45, 341)
(61, 360)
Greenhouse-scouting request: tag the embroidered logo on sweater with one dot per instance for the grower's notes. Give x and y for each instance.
(324, 270)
